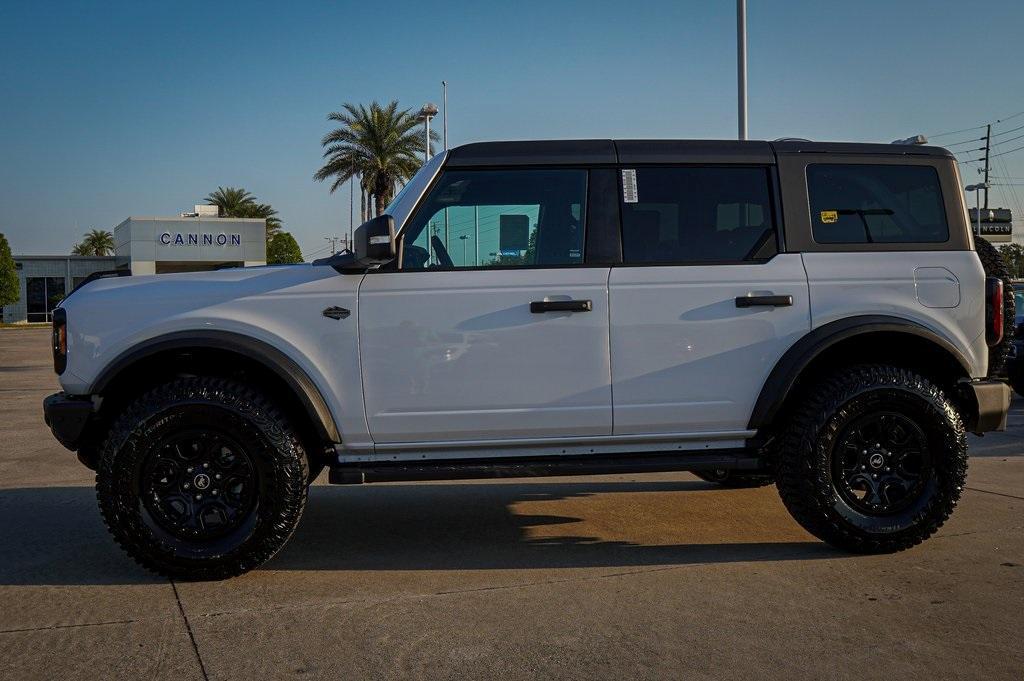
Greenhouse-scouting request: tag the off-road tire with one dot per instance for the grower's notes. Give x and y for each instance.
(804, 470)
(734, 479)
(994, 265)
(223, 406)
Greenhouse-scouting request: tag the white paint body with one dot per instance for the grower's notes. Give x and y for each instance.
(437, 364)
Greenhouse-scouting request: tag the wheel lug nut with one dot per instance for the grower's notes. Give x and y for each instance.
(863, 468)
(186, 486)
(215, 492)
(887, 469)
(200, 496)
(875, 476)
(217, 476)
(189, 469)
(206, 465)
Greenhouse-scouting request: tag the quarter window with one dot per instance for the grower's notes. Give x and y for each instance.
(499, 218)
(693, 214)
(886, 204)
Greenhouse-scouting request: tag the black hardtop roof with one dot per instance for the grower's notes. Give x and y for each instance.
(601, 152)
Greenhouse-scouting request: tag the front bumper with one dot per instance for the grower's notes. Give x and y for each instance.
(67, 417)
(989, 404)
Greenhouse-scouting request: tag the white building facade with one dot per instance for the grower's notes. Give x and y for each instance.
(151, 245)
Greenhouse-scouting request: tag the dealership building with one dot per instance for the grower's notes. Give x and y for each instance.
(193, 242)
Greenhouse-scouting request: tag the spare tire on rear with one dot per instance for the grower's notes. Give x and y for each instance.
(994, 266)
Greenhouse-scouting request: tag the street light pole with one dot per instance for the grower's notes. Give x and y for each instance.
(977, 189)
(444, 87)
(741, 65)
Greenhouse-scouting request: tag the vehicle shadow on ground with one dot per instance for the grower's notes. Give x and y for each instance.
(54, 536)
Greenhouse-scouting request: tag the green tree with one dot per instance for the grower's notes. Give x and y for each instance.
(10, 290)
(282, 249)
(236, 202)
(1013, 255)
(381, 144)
(95, 242)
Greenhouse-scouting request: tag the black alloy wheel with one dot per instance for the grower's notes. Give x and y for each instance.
(198, 485)
(882, 463)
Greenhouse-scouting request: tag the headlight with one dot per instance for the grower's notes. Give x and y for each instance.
(60, 340)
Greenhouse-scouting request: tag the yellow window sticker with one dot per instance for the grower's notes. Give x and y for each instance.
(829, 216)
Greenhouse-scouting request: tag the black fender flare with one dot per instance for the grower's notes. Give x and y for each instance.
(789, 367)
(280, 364)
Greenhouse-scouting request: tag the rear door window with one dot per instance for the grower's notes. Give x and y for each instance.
(696, 214)
(885, 204)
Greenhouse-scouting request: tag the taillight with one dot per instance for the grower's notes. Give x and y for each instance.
(993, 311)
(60, 340)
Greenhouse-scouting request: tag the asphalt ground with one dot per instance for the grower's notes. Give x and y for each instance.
(626, 576)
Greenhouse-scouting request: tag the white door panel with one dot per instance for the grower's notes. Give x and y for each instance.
(684, 357)
(457, 355)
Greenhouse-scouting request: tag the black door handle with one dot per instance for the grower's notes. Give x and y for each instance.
(766, 301)
(538, 306)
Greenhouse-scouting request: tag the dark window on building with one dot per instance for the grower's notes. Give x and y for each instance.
(683, 215)
(885, 204)
(499, 218)
(43, 294)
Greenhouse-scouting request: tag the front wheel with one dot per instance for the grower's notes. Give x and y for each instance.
(201, 478)
(874, 461)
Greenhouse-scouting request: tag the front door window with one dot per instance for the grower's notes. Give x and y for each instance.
(499, 218)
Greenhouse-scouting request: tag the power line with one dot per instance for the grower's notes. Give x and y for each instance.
(1004, 153)
(1007, 132)
(978, 127)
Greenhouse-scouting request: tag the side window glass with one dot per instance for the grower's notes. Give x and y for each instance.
(499, 218)
(859, 203)
(693, 214)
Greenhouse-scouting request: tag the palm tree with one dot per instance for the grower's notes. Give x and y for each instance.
(95, 242)
(230, 200)
(235, 202)
(381, 144)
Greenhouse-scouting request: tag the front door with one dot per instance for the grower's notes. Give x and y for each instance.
(703, 306)
(493, 327)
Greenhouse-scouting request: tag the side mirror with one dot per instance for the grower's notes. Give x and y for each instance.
(375, 240)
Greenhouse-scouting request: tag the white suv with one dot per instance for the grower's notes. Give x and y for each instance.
(813, 314)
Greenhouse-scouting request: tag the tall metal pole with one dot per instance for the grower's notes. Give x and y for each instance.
(351, 206)
(444, 103)
(426, 149)
(476, 235)
(988, 140)
(741, 65)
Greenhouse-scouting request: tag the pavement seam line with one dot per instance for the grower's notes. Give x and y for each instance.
(998, 494)
(54, 627)
(188, 628)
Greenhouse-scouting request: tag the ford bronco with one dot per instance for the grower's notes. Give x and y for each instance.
(813, 315)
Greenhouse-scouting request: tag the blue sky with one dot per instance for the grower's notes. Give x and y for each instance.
(114, 109)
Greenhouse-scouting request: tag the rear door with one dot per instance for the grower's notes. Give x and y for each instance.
(494, 327)
(703, 305)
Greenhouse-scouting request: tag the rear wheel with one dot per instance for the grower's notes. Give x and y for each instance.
(734, 479)
(874, 461)
(201, 478)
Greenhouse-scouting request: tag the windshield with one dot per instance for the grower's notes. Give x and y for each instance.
(1018, 298)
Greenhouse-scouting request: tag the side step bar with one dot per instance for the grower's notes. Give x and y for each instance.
(522, 467)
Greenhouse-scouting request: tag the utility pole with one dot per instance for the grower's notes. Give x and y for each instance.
(351, 203)
(334, 243)
(988, 144)
(444, 87)
(741, 65)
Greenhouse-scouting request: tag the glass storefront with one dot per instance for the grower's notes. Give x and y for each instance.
(43, 294)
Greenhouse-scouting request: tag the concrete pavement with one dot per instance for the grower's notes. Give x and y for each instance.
(648, 576)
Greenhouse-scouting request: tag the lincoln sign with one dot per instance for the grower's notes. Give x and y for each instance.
(195, 239)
